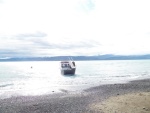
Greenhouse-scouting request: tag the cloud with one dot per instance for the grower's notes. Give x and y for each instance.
(40, 44)
(87, 5)
(87, 27)
(37, 34)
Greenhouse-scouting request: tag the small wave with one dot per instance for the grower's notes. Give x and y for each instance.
(5, 85)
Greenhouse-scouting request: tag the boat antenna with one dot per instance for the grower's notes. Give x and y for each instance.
(71, 58)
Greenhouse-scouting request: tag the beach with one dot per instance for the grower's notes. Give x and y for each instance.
(129, 103)
(111, 98)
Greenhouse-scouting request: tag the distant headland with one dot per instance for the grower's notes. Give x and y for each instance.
(79, 58)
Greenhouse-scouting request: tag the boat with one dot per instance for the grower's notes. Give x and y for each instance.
(68, 67)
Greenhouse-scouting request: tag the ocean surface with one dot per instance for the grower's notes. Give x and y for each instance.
(44, 77)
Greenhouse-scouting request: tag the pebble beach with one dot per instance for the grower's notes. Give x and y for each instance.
(112, 98)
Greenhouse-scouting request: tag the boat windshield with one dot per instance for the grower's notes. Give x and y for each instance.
(65, 65)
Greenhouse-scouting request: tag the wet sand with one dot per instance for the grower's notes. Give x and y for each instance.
(112, 98)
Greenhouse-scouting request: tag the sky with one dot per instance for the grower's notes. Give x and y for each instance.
(31, 28)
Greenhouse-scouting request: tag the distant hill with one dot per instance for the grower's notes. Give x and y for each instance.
(80, 58)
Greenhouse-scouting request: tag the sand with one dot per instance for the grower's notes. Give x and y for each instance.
(133, 97)
(128, 103)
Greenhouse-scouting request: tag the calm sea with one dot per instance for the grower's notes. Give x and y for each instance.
(38, 78)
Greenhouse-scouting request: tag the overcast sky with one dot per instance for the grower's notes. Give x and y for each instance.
(74, 27)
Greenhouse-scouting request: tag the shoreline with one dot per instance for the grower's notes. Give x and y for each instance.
(77, 102)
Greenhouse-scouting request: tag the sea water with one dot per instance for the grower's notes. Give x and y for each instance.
(44, 77)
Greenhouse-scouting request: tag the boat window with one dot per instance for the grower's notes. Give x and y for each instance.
(65, 65)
